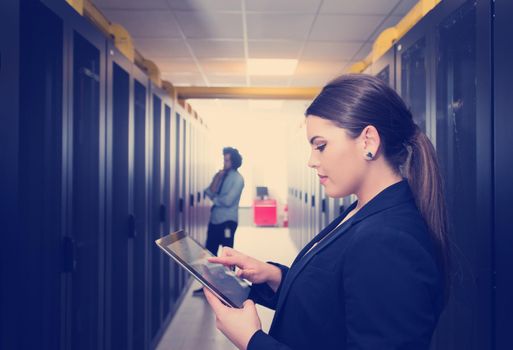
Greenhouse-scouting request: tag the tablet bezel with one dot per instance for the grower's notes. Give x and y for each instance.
(163, 242)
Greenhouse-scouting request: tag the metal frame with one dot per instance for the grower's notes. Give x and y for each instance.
(9, 181)
(503, 173)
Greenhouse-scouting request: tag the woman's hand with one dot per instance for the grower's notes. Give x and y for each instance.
(253, 270)
(238, 325)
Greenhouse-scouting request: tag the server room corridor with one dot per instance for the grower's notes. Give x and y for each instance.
(361, 146)
(194, 325)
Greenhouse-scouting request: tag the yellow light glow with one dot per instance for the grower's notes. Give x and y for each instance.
(271, 66)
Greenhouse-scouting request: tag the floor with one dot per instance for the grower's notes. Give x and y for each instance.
(193, 327)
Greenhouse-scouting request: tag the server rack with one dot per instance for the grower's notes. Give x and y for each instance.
(453, 70)
(90, 182)
(85, 185)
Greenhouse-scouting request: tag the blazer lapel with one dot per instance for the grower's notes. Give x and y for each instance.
(391, 196)
(323, 233)
(303, 261)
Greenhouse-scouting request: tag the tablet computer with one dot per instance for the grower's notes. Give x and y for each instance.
(192, 256)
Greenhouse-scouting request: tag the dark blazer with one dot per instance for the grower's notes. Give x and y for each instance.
(373, 283)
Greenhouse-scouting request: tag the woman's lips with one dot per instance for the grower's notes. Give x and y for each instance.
(323, 179)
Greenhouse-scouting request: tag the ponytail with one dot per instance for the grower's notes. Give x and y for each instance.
(422, 171)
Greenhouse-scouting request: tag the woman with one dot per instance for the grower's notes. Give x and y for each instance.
(375, 277)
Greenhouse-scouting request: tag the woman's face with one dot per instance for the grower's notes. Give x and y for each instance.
(337, 158)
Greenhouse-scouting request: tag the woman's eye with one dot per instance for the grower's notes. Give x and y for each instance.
(321, 148)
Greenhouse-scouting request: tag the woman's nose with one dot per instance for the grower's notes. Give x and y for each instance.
(313, 162)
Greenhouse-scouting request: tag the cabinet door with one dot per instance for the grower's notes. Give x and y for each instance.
(463, 143)
(87, 193)
(40, 228)
(121, 232)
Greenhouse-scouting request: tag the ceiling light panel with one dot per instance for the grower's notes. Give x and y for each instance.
(271, 67)
(224, 67)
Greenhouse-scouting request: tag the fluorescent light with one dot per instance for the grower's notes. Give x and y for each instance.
(271, 66)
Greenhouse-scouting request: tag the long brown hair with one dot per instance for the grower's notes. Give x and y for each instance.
(353, 102)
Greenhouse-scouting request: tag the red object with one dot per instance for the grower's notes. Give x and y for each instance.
(286, 215)
(264, 212)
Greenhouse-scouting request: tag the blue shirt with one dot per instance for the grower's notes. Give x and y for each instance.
(226, 202)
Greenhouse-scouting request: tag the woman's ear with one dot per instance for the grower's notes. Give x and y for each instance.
(370, 142)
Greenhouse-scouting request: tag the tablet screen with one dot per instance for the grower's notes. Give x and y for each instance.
(193, 257)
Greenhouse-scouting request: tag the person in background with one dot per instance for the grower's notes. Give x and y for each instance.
(224, 191)
(377, 276)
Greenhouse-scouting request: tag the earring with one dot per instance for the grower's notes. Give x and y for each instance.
(369, 156)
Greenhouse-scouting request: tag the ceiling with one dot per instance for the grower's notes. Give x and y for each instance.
(209, 42)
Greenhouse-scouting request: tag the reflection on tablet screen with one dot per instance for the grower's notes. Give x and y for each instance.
(219, 276)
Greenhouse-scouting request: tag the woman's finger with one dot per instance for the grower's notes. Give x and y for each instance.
(227, 251)
(249, 303)
(227, 261)
(248, 274)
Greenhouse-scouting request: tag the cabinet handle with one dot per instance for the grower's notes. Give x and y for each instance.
(162, 213)
(69, 262)
(131, 226)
